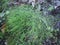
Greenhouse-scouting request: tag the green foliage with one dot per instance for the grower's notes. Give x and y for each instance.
(26, 27)
(3, 4)
(1, 35)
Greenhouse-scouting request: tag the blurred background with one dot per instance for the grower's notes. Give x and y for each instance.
(29, 22)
